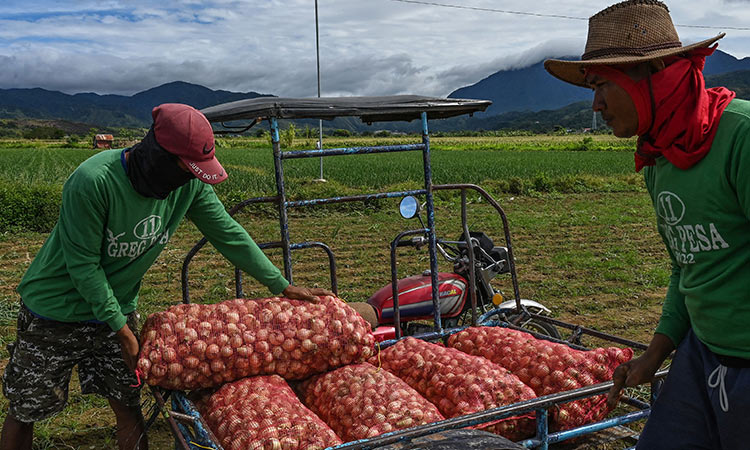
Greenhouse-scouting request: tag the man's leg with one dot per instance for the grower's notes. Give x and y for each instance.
(36, 379)
(104, 373)
(16, 435)
(131, 430)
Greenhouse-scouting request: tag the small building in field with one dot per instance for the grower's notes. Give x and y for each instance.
(103, 141)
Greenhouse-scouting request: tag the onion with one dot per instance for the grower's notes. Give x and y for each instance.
(213, 351)
(191, 362)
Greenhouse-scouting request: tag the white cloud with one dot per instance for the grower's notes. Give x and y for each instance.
(368, 47)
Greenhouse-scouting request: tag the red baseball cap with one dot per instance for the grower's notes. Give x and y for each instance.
(185, 132)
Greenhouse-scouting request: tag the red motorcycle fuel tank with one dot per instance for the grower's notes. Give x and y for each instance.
(415, 298)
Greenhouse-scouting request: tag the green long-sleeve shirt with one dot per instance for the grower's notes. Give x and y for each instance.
(108, 235)
(703, 215)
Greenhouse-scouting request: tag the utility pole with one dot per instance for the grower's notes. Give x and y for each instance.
(320, 123)
(593, 122)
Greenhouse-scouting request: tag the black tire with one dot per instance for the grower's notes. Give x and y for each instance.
(539, 326)
(464, 319)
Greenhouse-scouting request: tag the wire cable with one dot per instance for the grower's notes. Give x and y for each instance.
(504, 11)
(553, 16)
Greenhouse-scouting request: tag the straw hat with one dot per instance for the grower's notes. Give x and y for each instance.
(629, 32)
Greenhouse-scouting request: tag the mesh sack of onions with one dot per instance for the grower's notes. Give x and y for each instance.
(458, 383)
(263, 413)
(198, 346)
(360, 401)
(547, 367)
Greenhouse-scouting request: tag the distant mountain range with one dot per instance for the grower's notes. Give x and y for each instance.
(533, 89)
(109, 110)
(527, 98)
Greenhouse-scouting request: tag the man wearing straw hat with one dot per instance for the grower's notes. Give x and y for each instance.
(694, 150)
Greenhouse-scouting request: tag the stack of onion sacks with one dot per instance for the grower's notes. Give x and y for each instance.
(199, 346)
(547, 367)
(263, 413)
(360, 401)
(458, 383)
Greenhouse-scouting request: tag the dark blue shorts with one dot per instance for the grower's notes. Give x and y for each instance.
(690, 413)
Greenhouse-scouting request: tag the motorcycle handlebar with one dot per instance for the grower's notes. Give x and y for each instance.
(416, 241)
(419, 241)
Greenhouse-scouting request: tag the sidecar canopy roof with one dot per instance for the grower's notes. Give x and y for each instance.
(368, 109)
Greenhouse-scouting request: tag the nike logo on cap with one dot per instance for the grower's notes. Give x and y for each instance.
(206, 151)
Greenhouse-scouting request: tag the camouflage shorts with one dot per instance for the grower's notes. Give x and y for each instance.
(42, 359)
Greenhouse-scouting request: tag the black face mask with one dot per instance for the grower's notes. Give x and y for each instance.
(153, 171)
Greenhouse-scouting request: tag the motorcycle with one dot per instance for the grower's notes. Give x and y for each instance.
(415, 292)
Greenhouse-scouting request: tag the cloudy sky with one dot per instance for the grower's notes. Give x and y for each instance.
(367, 47)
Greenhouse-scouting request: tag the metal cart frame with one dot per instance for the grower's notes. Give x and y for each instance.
(191, 432)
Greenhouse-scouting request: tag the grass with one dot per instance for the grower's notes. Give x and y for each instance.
(594, 258)
(251, 165)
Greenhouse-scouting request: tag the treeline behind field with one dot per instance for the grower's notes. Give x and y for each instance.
(32, 178)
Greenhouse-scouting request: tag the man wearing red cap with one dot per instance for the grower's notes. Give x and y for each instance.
(694, 149)
(79, 295)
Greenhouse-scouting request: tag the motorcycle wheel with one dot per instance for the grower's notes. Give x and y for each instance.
(464, 319)
(538, 326)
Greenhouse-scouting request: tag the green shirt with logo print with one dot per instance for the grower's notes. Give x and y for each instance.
(108, 235)
(703, 216)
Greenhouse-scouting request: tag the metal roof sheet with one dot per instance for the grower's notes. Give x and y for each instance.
(368, 109)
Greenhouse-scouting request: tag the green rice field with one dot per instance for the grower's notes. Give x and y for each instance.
(454, 160)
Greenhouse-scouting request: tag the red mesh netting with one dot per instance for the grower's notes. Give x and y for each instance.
(198, 346)
(458, 383)
(547, 367)
(360, 401)
(263, 413)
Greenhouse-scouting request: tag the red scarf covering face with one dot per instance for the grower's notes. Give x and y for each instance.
(687, 114)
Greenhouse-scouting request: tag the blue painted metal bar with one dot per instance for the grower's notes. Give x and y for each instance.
(281, 193)
(542, 427)
(485, 318)
(472, 268)
(193, 251)
(468, 420)
(309, 244)
(351, 151)
(331, 260)
(429, 336)
(431, 222)
(499, 323)
(203, 434)
(238, 288)
(656, 386)
(598, 426)
(324, 201)
(240, 293)
(635, 402)
(394, 278)
(506, 230)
